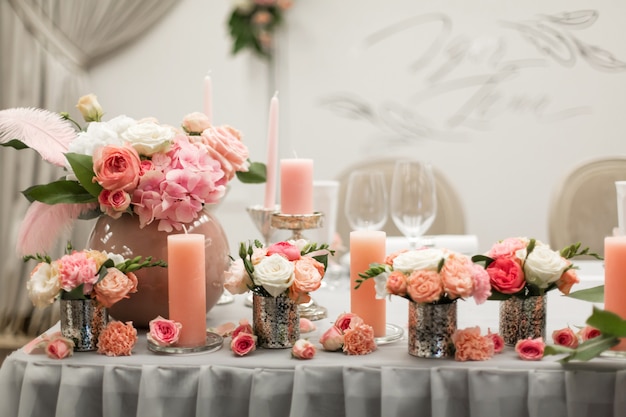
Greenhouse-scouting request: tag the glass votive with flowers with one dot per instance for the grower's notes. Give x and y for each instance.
(280, 276)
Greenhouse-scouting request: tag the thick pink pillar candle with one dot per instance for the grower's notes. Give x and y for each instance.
(187, 287)
(272, 155)
(366, 247)
(207, 99)
(615, 279)
(296, 186)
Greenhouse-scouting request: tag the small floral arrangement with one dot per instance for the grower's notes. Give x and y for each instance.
(157, 172)
(350, 335)
(106, 277)
(253, 22)
(291, 268)
(429, 275)
(525, 267)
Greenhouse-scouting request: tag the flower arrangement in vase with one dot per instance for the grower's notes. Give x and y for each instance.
(280, 276)
(432, 280)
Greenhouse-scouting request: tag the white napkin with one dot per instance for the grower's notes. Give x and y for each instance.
(467, 244)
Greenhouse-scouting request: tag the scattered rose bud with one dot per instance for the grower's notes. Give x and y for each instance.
(306, 326)
(164, 332)
(498, 341)
(59, 348)
(303, 349)
(565, 337)
(332, 339)
(530, 349)
(589, 332)
(243, 343)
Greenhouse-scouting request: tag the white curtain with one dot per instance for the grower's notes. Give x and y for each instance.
(46, 50)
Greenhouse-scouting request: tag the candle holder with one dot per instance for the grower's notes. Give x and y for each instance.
(262, 218)
(297, 223)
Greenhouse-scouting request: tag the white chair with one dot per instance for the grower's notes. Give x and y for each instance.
(584, 206)
(450, 218)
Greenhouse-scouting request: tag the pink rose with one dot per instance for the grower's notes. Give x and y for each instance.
(243, 343)
(347, 320)
(115, 286)
(482, 286)
(243, 327)
(59, 347)
(303, 349)
(424, 286)
(164, 332)
(117, 339)
(332, 339)
(507, 248)
(114, 203)
(225, 145)
(236, 278)
(567, 280)
(359, 340)
(530, 349)
(117, 167)
(456, 276)
(396, 283)
(286, 249)
(306, 325)
(470, 345)
(196, 122)
(498, 341)
(506, 275)
(589, 332)
(565, 337)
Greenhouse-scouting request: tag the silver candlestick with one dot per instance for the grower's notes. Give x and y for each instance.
(297, 223)
(262, 218)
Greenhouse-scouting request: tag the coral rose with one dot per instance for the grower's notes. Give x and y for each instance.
(567, 280)
(117, 339)
(303, 349)
(308, 274)
(396, 283)
(506, 275)
(117, 167)
(589, 332)
(347, 320)
(565, 337)
(530, 349)
(115, 286)
(424, 286)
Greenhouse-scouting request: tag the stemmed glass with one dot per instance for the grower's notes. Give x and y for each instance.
(366, 200)
(413, 199)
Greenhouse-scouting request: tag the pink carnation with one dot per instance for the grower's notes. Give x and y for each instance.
(76, 269)
(359, 340)
(117, 339)
(470, 345)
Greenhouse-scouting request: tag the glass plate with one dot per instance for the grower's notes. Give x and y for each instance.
(213, 342)
(393, 333)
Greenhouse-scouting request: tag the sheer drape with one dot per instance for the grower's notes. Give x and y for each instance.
(46, 49)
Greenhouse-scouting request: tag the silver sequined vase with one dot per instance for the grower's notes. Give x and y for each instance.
(276, 321)
(82, 321)
(430, 329)
(523, 318)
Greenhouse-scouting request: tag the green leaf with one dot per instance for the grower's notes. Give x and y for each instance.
(592, 348)
(607, 322)
(83, 168)
(75, 294)
(56, 192)
(256, 174)
(482, 258)
(594, 294)
(557, 350)
(15, 143)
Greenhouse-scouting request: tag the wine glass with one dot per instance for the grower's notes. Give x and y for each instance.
(366, 200)
(413, 199)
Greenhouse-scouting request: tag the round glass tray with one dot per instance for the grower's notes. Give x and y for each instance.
(213, 342)
(393, 333)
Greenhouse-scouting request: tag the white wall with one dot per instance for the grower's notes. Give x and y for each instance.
(505, 158)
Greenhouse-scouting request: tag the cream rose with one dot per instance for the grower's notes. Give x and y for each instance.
(44, 285)
(422, 259)
(89, 108)
(236, 279)
(275, 274)
(149, 138)
(543, 266)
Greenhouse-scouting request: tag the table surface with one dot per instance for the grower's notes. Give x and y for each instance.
(21, 374)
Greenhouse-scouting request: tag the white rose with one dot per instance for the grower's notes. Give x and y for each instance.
(422, 259)
(98, 134)
(44, 285)
(121, 123)
(543, 266)
(274, 273)
(236, 279)
(149, 138)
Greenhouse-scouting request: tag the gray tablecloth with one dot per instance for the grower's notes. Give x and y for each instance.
(388, 382)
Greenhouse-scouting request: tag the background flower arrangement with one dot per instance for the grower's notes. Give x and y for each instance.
(155, 171)
(252, 24)
(429, 275)
(524, 267)
(291, 268)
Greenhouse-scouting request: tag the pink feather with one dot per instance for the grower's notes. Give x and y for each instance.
(44, 131)
(44, 224)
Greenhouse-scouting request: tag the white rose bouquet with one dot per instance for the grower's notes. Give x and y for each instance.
(293, 268)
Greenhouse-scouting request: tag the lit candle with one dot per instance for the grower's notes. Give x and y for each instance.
(207, 100)
(615, 279)
(187, 287)
(272, 154)
(366, 247)
(296, 186)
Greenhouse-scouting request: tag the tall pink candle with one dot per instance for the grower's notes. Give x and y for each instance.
(187, 287)
(296, 186)
(615, 279)
(366, 247)
(207, 102)
(272, 154)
